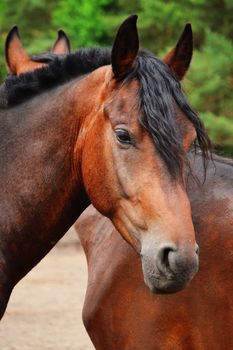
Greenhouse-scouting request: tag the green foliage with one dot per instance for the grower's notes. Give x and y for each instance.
(211, 76)
(220, 128)
(210, 86)
(82, 20)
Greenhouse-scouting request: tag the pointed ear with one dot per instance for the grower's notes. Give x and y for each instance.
(180, 57)
(14, 50)
(17, 59)
(125, 48)
(62, 44)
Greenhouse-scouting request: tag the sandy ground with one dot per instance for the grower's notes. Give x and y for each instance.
(44, 312)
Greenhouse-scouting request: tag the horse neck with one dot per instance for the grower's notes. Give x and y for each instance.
(41, 187)
(3, 97)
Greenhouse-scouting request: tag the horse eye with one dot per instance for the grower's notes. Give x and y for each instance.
(123, 136)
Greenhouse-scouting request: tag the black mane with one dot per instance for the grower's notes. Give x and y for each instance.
(60, 70)
(159, 92)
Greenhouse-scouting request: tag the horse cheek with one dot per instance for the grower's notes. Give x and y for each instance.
(97, 170)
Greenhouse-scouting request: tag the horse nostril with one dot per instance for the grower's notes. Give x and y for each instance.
(169, 268)
(197, 250)
(165, 260)
(171, 261)
(163, 263)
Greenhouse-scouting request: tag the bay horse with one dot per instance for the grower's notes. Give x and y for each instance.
(121, 313)
(111, 128)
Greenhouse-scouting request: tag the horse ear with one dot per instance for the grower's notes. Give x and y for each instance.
(16, 57)
(62, 44)
(14, 50)
(180, 57)
(125, 48)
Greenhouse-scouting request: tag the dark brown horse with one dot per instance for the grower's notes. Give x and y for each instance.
(121, 313)
(111, 128)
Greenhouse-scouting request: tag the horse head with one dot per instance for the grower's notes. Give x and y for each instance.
(133, 158)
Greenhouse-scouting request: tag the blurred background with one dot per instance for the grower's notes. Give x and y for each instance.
(209, 83)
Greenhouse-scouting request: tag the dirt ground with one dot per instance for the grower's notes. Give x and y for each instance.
(44, 312)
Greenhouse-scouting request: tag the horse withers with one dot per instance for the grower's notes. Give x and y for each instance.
(108, 128)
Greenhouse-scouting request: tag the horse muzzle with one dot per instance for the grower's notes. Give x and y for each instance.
(169, 269)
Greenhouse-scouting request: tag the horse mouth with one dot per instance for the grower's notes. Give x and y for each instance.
(167, 281)
(162, 285)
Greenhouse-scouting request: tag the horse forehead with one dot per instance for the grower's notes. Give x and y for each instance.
(126, 97)
(129, 90)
